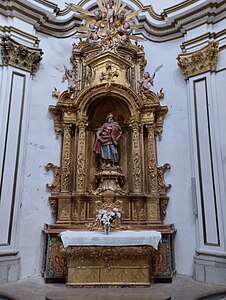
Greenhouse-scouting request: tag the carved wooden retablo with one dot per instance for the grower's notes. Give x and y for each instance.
(108, 77)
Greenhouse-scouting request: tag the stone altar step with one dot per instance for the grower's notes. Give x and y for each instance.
(112, 293)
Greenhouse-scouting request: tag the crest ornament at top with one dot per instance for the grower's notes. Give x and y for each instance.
(109, 24)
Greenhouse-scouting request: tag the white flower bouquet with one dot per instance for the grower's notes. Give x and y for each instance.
(107, 217)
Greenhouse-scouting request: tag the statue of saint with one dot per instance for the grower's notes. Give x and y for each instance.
(107, 138)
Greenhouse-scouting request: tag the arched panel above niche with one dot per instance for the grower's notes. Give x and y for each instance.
(98, 109)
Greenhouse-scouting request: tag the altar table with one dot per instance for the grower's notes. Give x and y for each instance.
(121, 258)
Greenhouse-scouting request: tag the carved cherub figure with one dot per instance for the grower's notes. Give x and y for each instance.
(72, 82)
(124, 33)
(148, 80)
(122, 17)
(92, 34)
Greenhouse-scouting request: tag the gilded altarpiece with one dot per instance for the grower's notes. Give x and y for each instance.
(107, 80)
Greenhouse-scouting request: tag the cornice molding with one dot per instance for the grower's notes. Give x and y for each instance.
(200, 61)
(172, 23)
(20, 56)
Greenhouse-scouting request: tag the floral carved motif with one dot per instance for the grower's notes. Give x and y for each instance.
(136, 171)
(80, 171)
(20, 56)
(152, 165)
(136, 159)
(66, 161)
(200, 61)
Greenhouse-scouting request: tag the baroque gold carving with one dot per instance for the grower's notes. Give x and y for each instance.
(200, 61)
(20, 56)
(137, 172)
(110, 72)
(162, 186)
(163, 205)
(110, 181)
(106, 256)
(66, 159)
(136, 156)
(81, 156)
(55, 185)
(108, 204)
(108, 265)
(152, 163)
(54, 206)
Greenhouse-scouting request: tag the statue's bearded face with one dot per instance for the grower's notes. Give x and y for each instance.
(110, 120)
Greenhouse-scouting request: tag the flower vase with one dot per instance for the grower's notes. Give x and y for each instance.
(107, 228)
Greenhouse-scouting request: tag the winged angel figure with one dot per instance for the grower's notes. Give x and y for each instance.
(109, 22)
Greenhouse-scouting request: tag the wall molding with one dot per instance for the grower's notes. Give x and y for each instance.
(172, 23)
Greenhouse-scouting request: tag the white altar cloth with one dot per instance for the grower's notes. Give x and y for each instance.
(115, 238)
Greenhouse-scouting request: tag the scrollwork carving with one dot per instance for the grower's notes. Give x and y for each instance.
(55, 185)
(163, 204)
(162, 186)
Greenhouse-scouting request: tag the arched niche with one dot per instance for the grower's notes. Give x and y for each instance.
(96, 116)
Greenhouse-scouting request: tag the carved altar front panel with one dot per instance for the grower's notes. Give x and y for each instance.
(109, 265)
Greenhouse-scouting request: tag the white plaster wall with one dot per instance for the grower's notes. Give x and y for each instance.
(173, 148)
(157, 5)
(42, 146)
(221, 109)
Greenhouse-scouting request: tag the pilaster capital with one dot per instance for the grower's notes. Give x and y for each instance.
(200, 61)
(20, 56)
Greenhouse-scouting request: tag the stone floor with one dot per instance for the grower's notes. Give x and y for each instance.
(182, 288)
